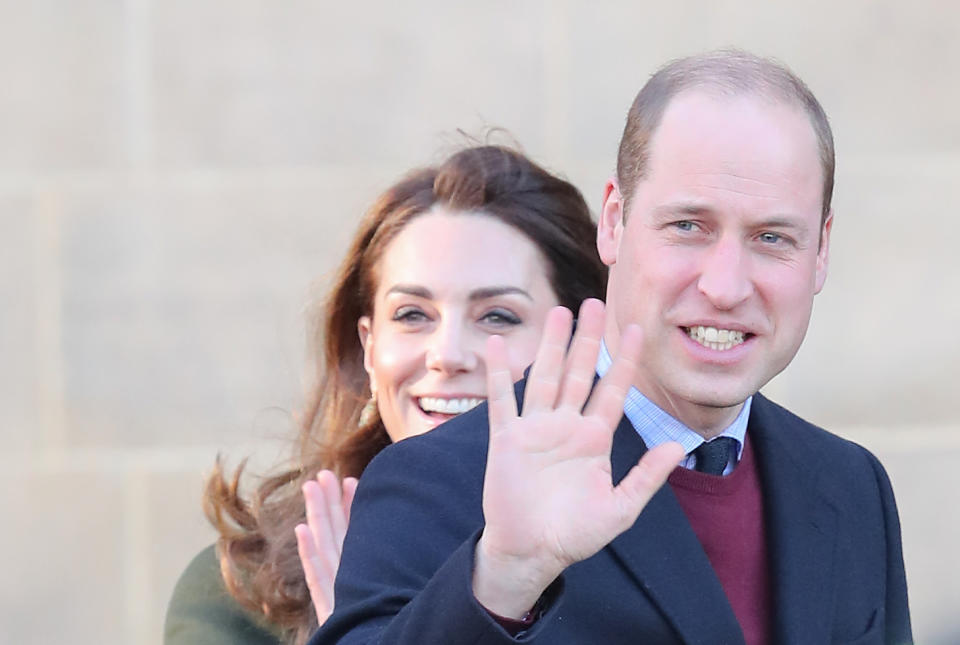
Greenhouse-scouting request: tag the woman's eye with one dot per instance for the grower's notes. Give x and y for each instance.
(500, 317)
(409, 315)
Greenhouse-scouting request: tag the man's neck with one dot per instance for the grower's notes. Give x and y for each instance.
(707, 421)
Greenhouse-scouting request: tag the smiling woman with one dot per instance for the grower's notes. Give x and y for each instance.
(449, 282)
(484, 244)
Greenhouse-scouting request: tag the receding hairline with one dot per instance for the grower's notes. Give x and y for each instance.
(726, 73)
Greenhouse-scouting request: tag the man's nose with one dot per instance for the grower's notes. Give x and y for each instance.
(725, 277)
(448, 350)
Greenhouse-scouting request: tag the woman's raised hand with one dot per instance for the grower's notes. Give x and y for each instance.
(548, 498)
(320, 540)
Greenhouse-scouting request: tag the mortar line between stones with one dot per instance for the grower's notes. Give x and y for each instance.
(139, 139)
(48, 315)
(556, 64)
(137, 571)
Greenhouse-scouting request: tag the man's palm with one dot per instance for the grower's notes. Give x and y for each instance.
(548, 498)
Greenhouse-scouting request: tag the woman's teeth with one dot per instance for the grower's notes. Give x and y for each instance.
(448, 406)
(719, 339)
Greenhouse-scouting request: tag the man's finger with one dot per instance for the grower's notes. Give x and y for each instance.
(581, 362)
(501, 402)
(645, 479)
(543, 383)
(607, 399)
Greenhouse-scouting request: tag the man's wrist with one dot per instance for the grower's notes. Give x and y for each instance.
(508, 587)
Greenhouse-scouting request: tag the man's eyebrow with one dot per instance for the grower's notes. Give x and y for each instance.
(682, 208)
(492, 292)
(695, 208)
(784, 221)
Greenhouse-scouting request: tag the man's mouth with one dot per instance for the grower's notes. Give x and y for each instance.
(453, 406)
(716, 339)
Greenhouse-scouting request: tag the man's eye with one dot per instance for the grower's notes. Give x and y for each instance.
(685, 225)
(500, 317)
(770, 238)
(409, 315)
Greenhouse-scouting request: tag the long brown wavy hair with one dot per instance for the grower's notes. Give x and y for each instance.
(257, 547)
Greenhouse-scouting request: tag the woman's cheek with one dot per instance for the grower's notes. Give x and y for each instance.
(396, 358)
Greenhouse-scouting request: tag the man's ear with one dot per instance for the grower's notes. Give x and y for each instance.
(365, 331)
(823, 253)
(610, 226)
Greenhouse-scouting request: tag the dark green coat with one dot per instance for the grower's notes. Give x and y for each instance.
(201, 612)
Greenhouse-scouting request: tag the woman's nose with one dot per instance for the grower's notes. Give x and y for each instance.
(449, 350)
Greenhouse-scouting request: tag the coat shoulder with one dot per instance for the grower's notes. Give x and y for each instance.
(846, 472)
(202, 612)
(781, 424)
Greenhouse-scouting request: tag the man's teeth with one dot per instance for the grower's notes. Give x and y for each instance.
(714, 338)
(448, 406)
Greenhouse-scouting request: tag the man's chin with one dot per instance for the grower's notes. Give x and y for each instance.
(722, 402)
(721, 391)
(719, 400)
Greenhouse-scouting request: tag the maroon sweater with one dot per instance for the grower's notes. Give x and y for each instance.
(726, 513)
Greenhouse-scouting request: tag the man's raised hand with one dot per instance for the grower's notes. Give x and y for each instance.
(548, 497)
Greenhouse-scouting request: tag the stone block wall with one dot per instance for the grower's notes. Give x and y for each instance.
(178, 178)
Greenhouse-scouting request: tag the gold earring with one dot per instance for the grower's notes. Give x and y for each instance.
(369, 412)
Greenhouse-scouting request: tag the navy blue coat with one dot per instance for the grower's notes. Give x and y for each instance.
(833, 542)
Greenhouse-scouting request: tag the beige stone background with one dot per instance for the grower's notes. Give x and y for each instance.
(174, 174)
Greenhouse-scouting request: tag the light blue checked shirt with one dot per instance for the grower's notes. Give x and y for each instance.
(656, 426)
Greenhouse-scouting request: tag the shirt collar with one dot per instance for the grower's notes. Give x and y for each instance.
(656, 426)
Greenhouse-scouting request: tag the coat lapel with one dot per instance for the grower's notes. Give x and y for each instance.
(664, 555)
(801, 526)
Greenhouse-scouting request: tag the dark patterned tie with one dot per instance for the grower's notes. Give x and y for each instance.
(712, 456)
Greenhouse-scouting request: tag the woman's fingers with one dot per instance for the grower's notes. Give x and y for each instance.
(335, 512)
(320, 540)
(319, 519)
(349, 490)
(319, 582)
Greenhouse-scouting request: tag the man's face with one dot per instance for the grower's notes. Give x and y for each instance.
(720, 253)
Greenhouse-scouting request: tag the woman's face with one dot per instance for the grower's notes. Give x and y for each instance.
(447, 283)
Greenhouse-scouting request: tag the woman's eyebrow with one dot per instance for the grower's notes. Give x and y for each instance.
(492, 292)
(410, 290)
(477, 294)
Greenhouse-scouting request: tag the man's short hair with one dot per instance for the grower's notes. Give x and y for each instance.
(728, 72)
